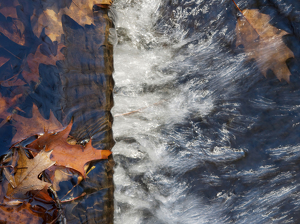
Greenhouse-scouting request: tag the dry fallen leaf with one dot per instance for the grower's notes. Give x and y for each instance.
(26, 176)
(34, 60)
(263, 42)
(71, 156)
(27, 127)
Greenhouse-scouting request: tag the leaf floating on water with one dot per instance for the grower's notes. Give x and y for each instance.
(71, 156)
(26, 176)
(27, 127)
(263, 42)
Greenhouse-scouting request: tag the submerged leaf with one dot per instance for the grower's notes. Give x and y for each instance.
(263, 42)
(6, 103)
(51, 20)
(19, 214)
(3, 60)
(14, 28)
(27, 127)
(34, 60)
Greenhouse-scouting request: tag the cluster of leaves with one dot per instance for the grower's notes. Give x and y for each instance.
(30, 37)
(44, 163)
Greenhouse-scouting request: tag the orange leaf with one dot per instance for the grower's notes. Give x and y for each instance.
(71, 156)
(27, 127)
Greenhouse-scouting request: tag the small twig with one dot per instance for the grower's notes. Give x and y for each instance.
(73, 199)
(8, 166)
(61, 219)
(78, 181)
(75, 4)
(10, 52)
(139, 110)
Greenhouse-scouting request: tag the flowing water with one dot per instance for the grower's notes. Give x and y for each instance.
(209, 139)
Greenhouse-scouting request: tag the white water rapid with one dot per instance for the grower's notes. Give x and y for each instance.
(188, 116)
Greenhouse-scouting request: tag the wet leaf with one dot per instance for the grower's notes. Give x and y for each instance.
(263, 42)
(14, 30)
(104, 3)
(27, 127)
(34, 60)
(71, 156)
(3, 60)
(19, 214)
(59, 174)
(13, 81)
(26, 176)
(51, 20)
(6, 103)
(9, 11)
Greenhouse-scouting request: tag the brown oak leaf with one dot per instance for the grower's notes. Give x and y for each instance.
(71, 156)
(26, 176)
(263, 42)
(27, 127)
(34, 60)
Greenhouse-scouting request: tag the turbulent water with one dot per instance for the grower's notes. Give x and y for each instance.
(209, 139)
